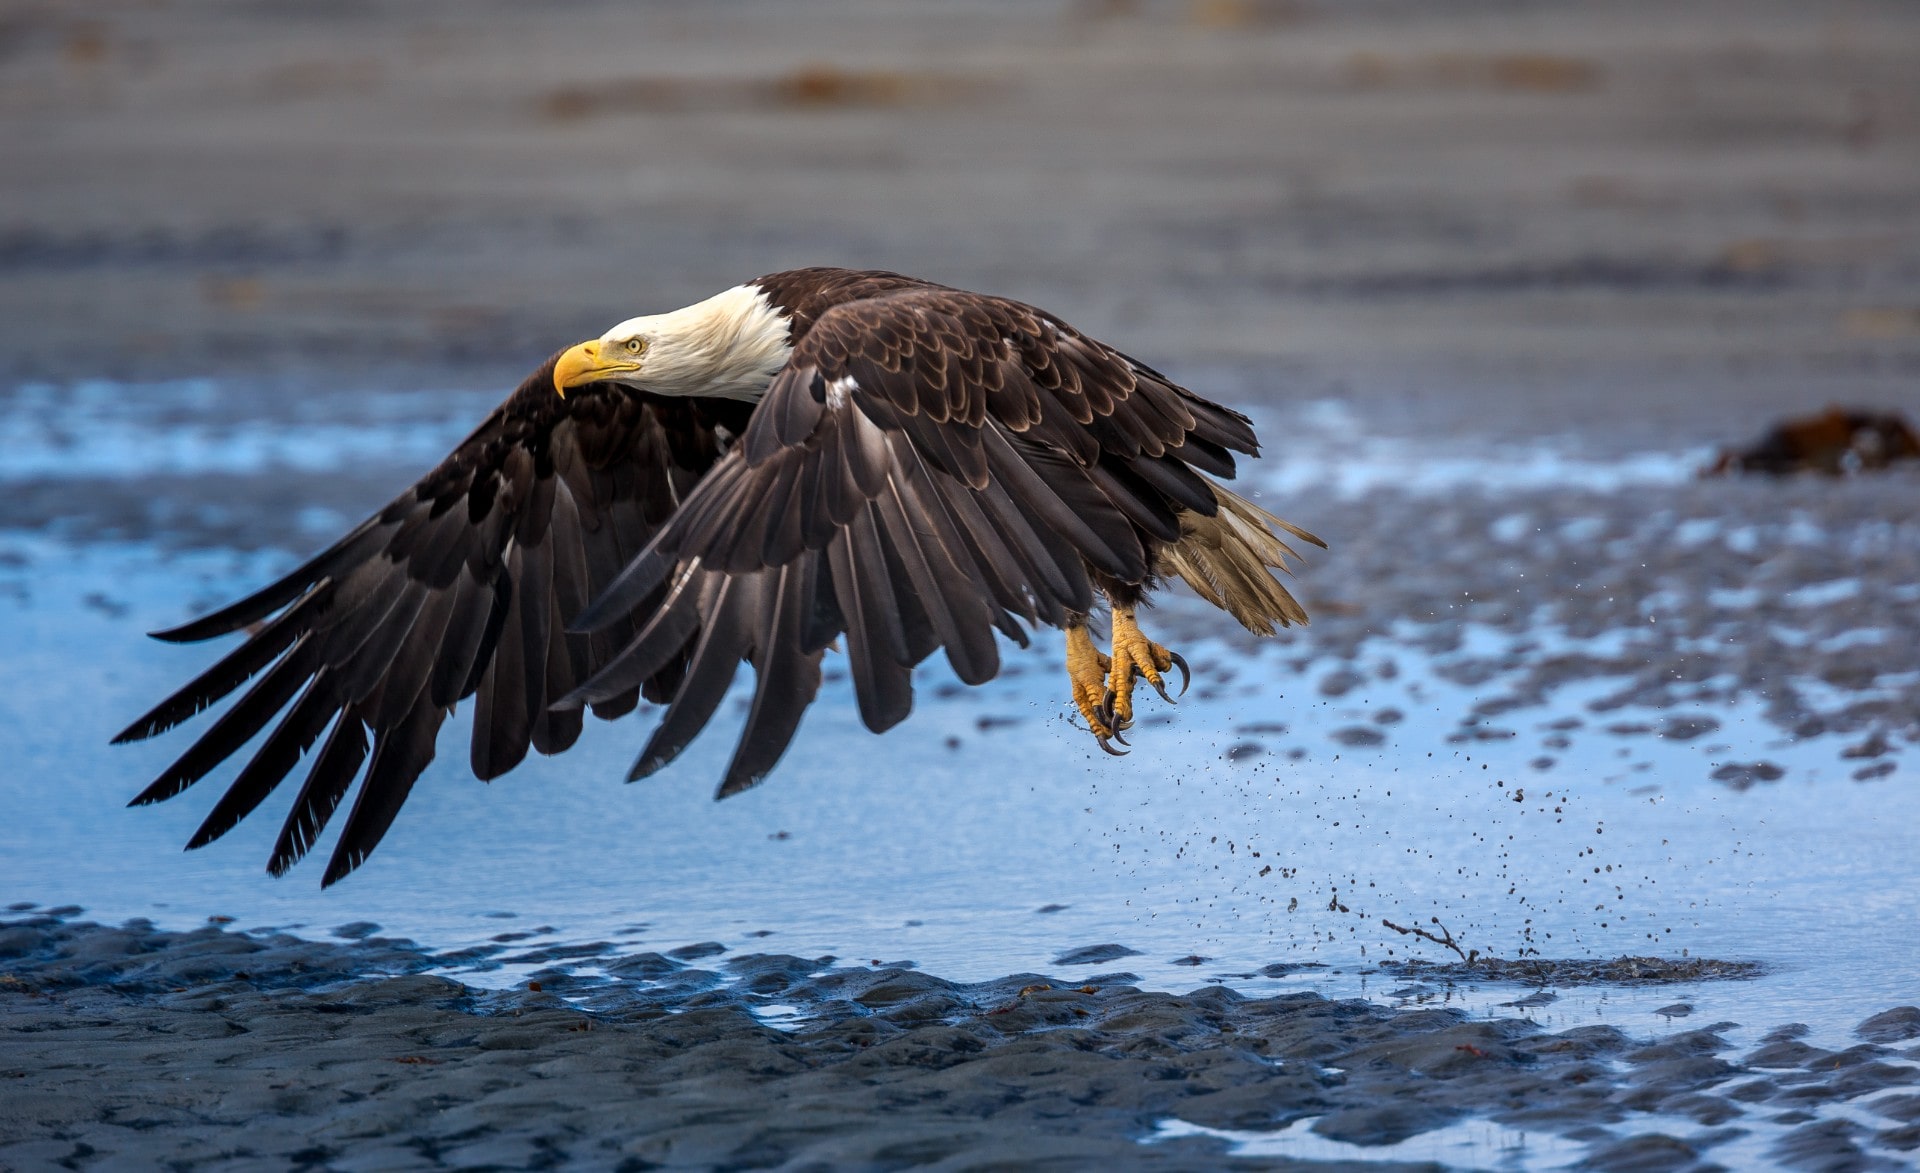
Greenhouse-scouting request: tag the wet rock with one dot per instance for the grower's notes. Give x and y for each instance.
(474, 957)
(1283, 968)
(1094, 954)
(1688, 727)
(1744, 775)
(1354, 736)
(1685, 1045)
(768, 973)
(644, 966)
(1709, 1110)
(899, 986)
(554, 953)
(1904, 1108)
(1786, 1053)
(1872, 1077)
(1649, 1153)
(1341, 681)
(1384, 1124)
(1875, 745)
(1891, 1026)
(1756, 1091)
(1825, 1145)
(1582, 1042)
(697, 951)
(1905, 1139)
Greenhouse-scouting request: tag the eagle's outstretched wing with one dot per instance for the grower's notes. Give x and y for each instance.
(461, 587)
(930, 466)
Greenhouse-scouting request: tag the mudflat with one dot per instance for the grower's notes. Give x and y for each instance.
(1494, 280)
(212, 1048)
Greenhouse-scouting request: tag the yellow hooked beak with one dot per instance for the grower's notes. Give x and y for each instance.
(583, 364)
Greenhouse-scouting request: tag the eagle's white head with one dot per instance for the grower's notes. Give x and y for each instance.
(727, 347)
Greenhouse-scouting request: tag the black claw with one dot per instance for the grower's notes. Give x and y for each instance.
(1186, 677)
(1123, 741)
(1162, 691)
(1118, 753)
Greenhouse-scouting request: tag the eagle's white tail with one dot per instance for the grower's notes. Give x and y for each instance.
(1228, 560)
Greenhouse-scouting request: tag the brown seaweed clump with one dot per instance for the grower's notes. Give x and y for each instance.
(1838, 442)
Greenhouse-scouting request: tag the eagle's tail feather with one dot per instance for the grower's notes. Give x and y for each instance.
(1228, 560)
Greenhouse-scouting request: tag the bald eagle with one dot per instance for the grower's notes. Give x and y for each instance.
(816, 456)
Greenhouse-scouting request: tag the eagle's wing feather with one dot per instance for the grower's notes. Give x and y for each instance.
(461, 587)
(929, 467)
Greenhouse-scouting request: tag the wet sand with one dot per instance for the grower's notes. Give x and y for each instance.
(214, 1049)
(1593, 232)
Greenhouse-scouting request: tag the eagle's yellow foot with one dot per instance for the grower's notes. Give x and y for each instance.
(1135, 656)
(1087, 670)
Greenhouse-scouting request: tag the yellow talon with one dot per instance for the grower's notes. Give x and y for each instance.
(1087, 670)
(1134, 655)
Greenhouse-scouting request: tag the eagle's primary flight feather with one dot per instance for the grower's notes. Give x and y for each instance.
(818, 455)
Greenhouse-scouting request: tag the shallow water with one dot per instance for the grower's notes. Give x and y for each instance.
(1625, 846)
(1260, 835)
(1472, 1144)
(1756, 1142)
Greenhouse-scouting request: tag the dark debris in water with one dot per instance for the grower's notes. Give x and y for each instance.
(1540, 971)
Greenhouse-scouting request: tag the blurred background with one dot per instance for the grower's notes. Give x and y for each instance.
(1574, 212)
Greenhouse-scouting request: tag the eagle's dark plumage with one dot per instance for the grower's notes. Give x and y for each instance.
(914, 468)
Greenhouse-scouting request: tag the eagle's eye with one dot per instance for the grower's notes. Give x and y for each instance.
(635, 346)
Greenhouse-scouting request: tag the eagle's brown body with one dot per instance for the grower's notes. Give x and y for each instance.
(924, 467)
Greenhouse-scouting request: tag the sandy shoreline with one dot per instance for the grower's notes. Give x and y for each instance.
(214, 1049)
